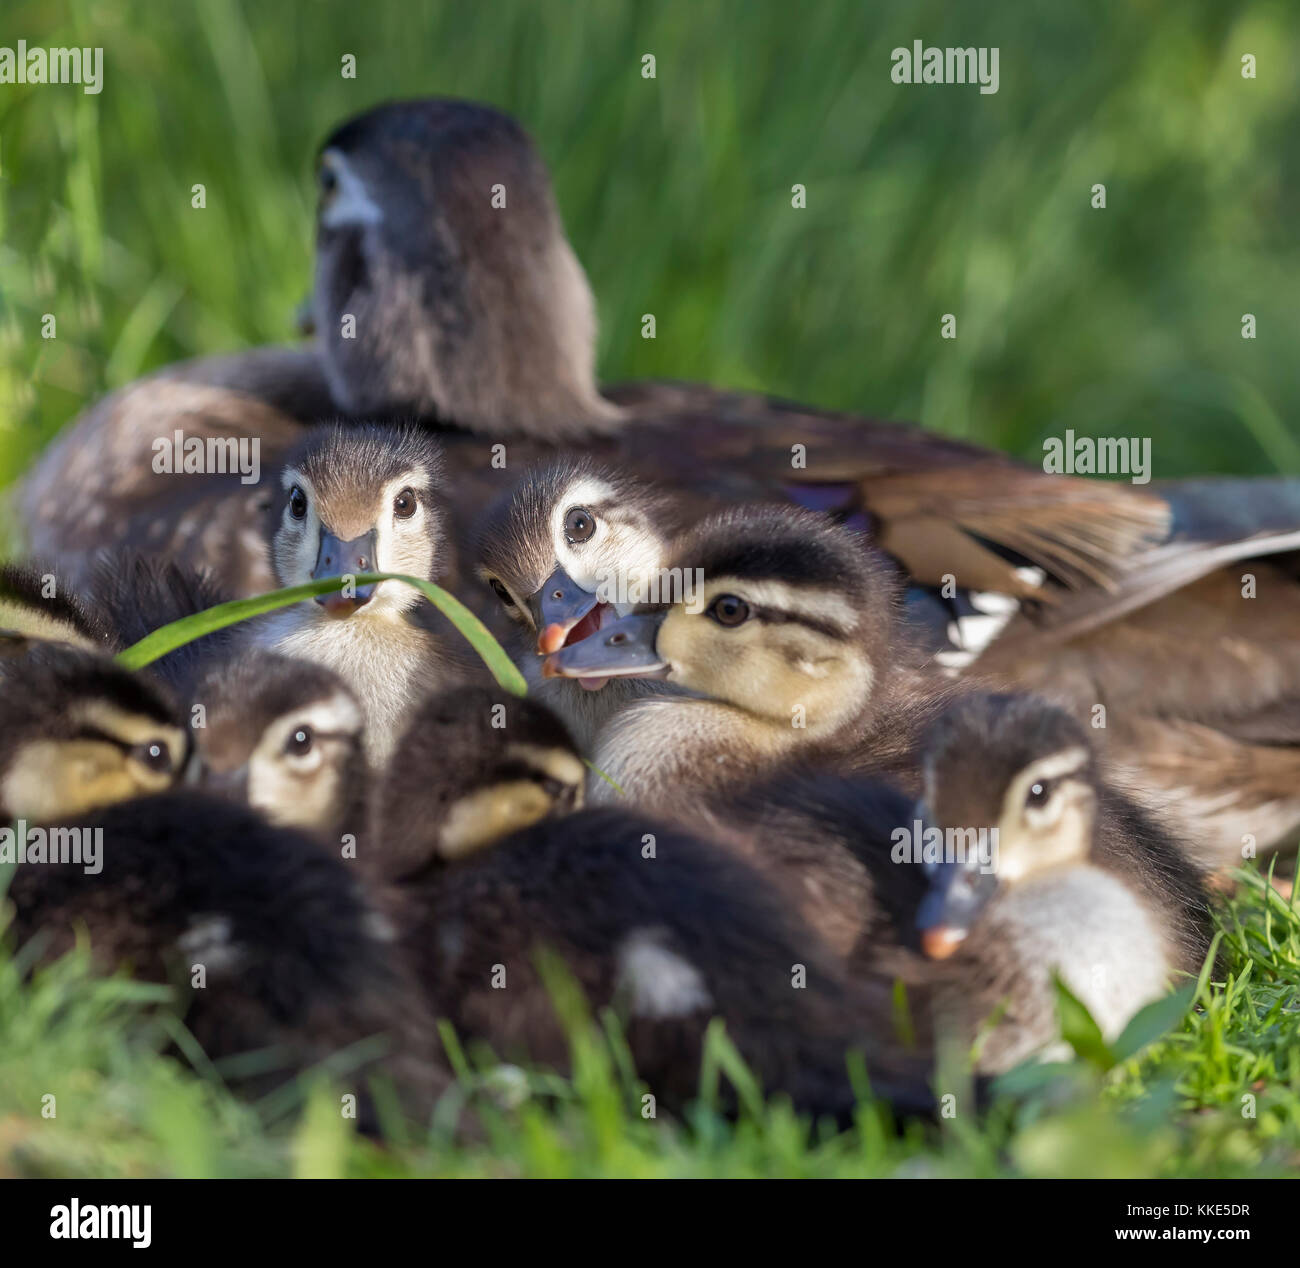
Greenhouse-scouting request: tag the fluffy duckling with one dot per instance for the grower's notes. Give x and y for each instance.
(355, 500)
(1077, 881)
(286, 737)
(77, 732)
(790, 648)
(574, 545)
(664, 928)
(167, 881)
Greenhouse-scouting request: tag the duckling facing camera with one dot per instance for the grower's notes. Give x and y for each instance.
(285, 736)
(1079, 881)
(353, 500)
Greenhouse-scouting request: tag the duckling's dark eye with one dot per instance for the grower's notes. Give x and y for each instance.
(328, 180)
(729, 610)
(404, 504)
(1040, 793)
(579, 524)
(300, 742)
(154, 755)
(501, 592)
(297, 503)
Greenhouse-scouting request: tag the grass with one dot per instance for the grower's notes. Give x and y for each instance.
(676, 193)
(1217, 1094)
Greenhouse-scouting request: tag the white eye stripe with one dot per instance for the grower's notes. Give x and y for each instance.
(1043, 771)
(350, 204)
(624, 544)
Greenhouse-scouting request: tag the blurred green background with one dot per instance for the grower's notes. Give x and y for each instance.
(676, 193)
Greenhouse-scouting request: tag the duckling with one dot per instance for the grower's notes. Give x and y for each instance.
(565, 551)
(790, 649)
(286, 737)
(78, 732)
(165, 879)
(1080, 881)
(494, 864)
(358, 499)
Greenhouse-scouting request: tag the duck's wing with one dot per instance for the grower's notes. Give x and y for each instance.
(110, 481)
(943, 507)
(285, 378)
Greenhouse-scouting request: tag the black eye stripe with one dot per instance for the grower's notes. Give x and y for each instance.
(107, 737)
(775, 616)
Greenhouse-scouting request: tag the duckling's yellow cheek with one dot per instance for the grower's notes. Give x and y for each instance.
(485, 817)
(702, 654)
(49, 780)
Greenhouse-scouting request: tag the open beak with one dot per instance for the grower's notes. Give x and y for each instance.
(624, 648)
(564, 612)
(951, 907)
(344, 559)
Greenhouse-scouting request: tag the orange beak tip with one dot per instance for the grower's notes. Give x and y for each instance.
(941, 941)
(551, 639)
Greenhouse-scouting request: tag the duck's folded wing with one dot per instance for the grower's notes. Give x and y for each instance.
(943, 507)
(111, 481)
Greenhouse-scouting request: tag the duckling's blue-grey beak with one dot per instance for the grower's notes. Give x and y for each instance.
(560, 609)
(950, 908)
(622, 649)
(344, 559)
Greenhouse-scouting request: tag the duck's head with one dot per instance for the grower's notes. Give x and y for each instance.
(475, 765)
(1012, 783)
(358, 499)
(285, 736)
(781, 614)
(444, 283)
(572, 547)
(77, 733)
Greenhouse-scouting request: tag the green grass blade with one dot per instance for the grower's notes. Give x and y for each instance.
(176, 634)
